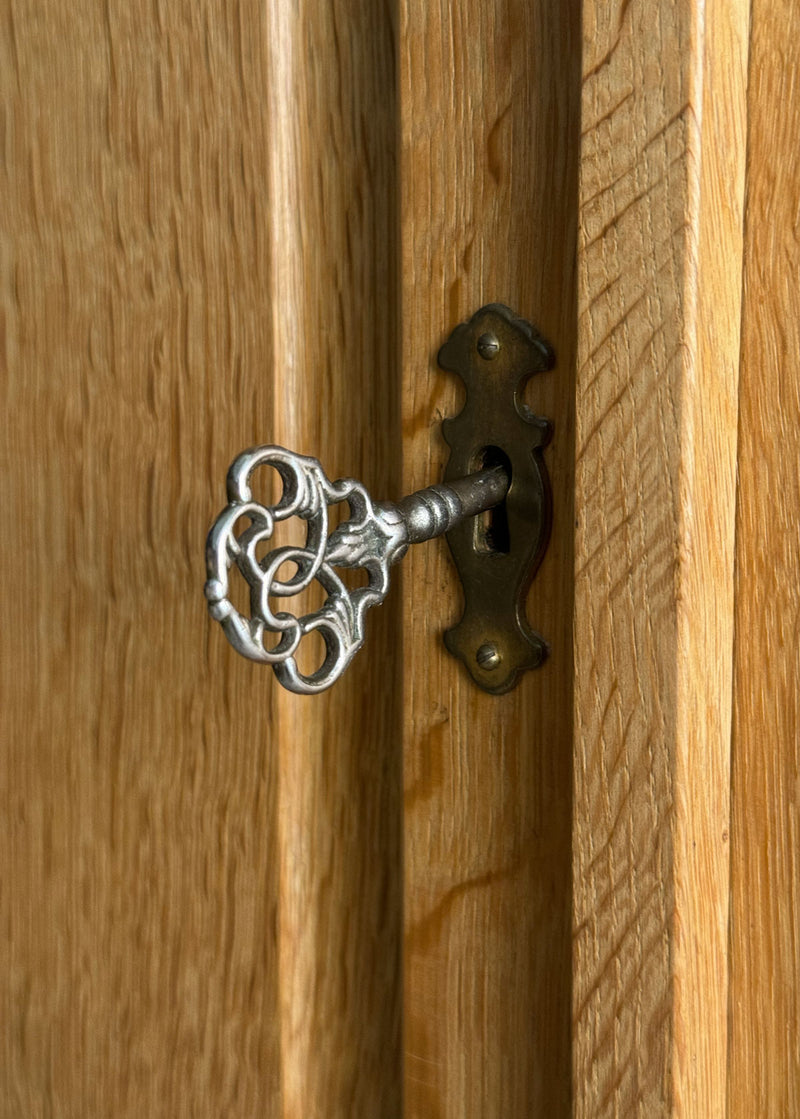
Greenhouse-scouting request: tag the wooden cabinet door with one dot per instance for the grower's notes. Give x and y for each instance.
(228, 223)
(201, 876)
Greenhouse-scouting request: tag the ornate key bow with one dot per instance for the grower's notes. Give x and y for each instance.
(375, 536)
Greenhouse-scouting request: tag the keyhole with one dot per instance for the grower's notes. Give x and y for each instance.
(491, 527)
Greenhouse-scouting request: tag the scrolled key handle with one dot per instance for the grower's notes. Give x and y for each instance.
(373, 537)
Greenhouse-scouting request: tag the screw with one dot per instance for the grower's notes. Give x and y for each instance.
(488, 346)
(488, 656)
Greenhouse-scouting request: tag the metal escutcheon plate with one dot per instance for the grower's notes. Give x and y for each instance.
(497, 553)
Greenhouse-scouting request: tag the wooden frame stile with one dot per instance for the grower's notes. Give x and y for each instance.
(764, 1077)
(488, 173)
(334, 318)
(660, 250)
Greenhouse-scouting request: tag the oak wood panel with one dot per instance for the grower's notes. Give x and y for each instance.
(661, 184)
(139, 970)
(200, 899)
(765, 877)
(489, 129)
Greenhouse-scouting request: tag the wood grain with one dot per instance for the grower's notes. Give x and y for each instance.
(489, 130)
(660, 243)
(334, 314)
(765, 877)
(200, 882)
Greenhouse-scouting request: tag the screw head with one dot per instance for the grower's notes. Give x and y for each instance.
(488, 346)
(488, 656)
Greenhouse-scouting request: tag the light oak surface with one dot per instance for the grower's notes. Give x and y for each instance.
(489, 130)
(662, 161)
(228, 223)
(765, 865)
